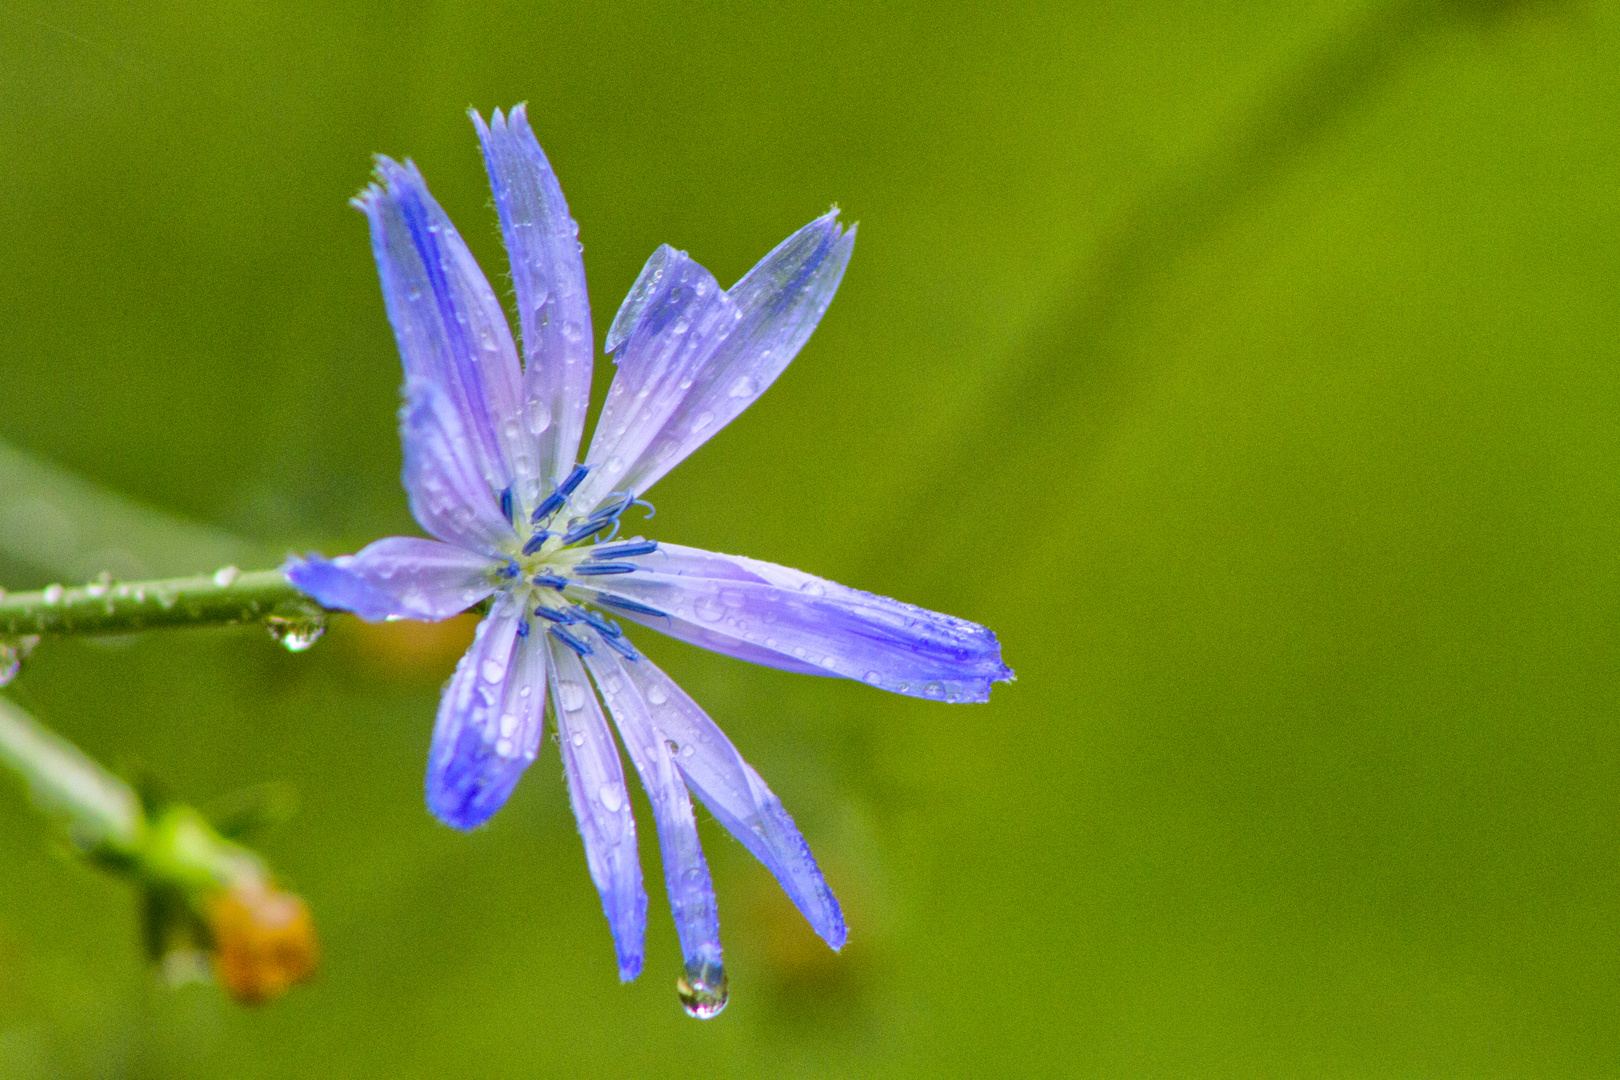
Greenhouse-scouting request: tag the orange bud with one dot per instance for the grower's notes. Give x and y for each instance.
(264, 941)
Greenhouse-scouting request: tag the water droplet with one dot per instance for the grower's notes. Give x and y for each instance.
(934, 689)
(732, 598)
(537, 415)
(101, 585)
(578, 738)
(525, 690)
(505, 747)
(744, 387)
(702, 421)
(572, 330)
(13, 651)
(493, 670)
(828, 662)
(703, 989)
(612, 798)
(225, 576)
(708, 608)
(54, 594)
(572, 695)
(295, 627)
(871, 678)
(508, 724)
(813, 588)
(656, 695)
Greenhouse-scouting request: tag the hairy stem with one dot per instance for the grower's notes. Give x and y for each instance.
(219, 599)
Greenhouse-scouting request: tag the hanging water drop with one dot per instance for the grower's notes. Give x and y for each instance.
(295, 627)
(703, 989)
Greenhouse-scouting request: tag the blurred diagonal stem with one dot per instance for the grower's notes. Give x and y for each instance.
(225, 597)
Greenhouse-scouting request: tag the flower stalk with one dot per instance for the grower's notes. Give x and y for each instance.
(225, 597)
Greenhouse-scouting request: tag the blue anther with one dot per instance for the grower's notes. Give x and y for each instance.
(588, 527)
(575, 478)
(629, 605)
(620, 646)
(628, 549)
(594, 569)
(570, 640)
(510, 570)
(523, 628)
(564, 616)
(559, 498)
(551, 580)
(536, 542)
(606, 627)
(506, 503)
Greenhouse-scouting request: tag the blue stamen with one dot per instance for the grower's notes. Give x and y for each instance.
(563, 616)
(536, 542)
(603, 626)
(620, 646)
(506, 503)
(594, 569)
(570, 640)
(629, 605)
(551, 580)
(626, 550)
(559, 498)
(588, 527)
(510, 570)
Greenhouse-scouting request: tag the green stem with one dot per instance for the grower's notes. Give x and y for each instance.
(219, 599)
(100, 809)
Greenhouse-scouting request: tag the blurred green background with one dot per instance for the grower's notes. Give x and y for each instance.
(1250, 368)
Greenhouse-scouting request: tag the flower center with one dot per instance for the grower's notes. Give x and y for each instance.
(558, 566)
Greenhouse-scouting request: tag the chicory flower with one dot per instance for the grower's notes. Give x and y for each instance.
(491, 472)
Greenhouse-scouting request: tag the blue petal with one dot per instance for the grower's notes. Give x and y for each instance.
(548, 278)
(686, 874)
(674, 318)
(399, 577)
(489, 724)
(601, 805)
(448, 497)
(774, 309)
(771, 615)
(451, 330)
(737, 797)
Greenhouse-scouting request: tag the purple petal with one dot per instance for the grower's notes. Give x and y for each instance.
(737, 797)
(548, 277)
(448, 496)
(399, 577)
(769, 614)
(601, 805)
(451, 330)
(489, 723)
(686, 874)
(671, 323)
(777, 304)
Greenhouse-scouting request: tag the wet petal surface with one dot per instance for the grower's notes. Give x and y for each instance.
(399, 577)
(769, 614)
